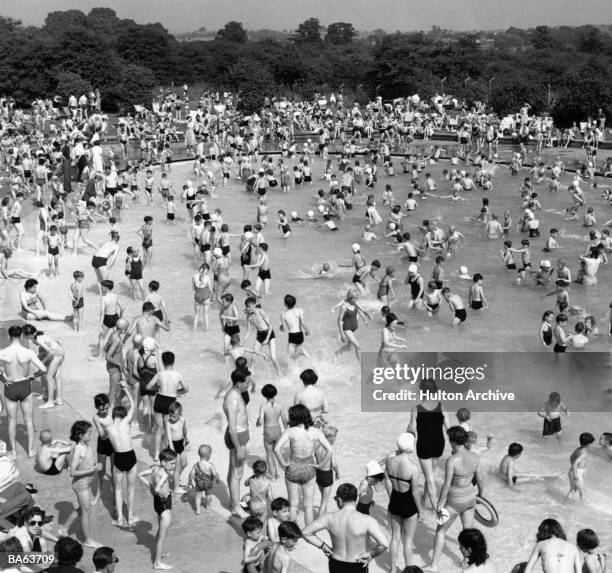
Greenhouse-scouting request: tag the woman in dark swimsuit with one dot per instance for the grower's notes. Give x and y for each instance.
(401, 481)
(147, 365)
(427, 420)
(348, 315)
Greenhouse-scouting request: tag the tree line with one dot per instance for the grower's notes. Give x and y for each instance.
(564, 71)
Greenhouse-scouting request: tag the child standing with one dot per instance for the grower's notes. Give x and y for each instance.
(385, 292)
(272, 418)
(76, 298)
(578, 461)
(327, 466)
(260, 490)
(365, 492)
(506, 466)
(134, 267)
(160, 486)
(553, 408)
(202, 476)
(176, 434)
(170, 210)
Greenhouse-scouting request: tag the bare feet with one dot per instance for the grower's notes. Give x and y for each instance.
(117, 522)
(133, 520)
(162, 566)
(46, 405)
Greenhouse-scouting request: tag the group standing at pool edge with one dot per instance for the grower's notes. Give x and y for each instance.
(301, 441)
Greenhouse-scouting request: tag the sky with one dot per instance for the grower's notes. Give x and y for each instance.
(390, 15)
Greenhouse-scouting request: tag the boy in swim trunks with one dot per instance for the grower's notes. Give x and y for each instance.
(51, 454)
(77, 299)
(161, 488)
(176, 434)
(456, 305)
(101, 419)
(202, 476)
(292, 321)
(578, 465)
(124, 460)
(110, 312)
(259, 320)
(278, 559)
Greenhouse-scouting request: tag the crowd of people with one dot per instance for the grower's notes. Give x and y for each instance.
(73, 182)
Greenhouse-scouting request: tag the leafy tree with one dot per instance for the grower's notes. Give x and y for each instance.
(254, 82)
(233, 32)
(509, 94)
(340, 33)
(61, 23)
(308, 32)
(69, 83)
(581, 94)
(137, 85)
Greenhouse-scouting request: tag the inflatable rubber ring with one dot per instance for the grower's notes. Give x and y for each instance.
(492, 520)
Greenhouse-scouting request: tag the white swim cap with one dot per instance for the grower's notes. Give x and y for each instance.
(321, 208)
(463, 270)
(405, 442)
(373, 469)
(392, 226)
(138, 338)
(148, 344)
(217, 252)
(355, 247)
(546, 264)
(412, 268)
(310, 213)
(294, 214)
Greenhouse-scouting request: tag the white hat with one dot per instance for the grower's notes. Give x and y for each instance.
(373, 469)
(355, 247)
(405, 442)
(148, 344)
(463, 270)
(217, 252)
(412, 268)
(545, 263)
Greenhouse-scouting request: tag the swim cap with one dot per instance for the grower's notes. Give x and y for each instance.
(355, 247)
(463, 270)
(138, 338)
(294, 214)
(310, 213)
(122, 324)
(546, 264)
(392, 226)
(405, 442)
(412, 268)
(217, 252)
(373, 469)
(321, 208)
(148, 344)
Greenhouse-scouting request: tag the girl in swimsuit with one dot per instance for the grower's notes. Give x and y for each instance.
(300, 471)
(401, 480)
(390, 342)
(348, 315)
(84, 474)
(272, 418)
(458, 494)
(260, 490)
(202, 294)
(220, 267)
(147, 365)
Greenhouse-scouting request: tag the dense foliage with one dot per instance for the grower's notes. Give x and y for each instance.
(565, 71)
